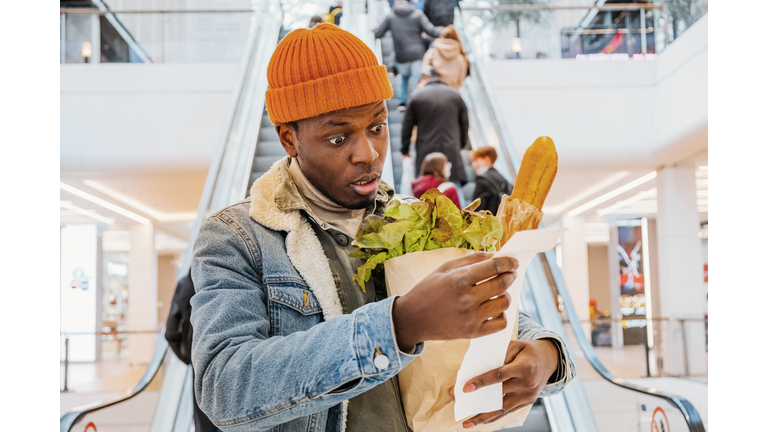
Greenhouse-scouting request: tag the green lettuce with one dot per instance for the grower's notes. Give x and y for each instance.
(432, 223)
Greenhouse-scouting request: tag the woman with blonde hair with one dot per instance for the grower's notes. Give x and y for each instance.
(448, 58)
(435, 174)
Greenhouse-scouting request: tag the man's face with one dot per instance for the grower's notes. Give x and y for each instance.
(342, 153)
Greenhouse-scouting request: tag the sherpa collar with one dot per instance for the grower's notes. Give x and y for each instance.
(276, 204)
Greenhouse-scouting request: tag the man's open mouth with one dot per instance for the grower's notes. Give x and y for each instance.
(366, 186)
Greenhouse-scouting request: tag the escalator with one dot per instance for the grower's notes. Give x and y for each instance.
(162, 399)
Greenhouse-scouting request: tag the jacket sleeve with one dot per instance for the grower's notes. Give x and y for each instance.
(427, 26)
(528, 329)
(463, 123)
(485, 192)
(381, 29)
(248, 379)
(409, 121)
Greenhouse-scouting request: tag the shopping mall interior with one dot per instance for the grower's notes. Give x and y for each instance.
(163, 122)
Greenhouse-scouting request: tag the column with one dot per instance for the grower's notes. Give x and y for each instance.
(680, 266)
(142, 293)
(576, 267)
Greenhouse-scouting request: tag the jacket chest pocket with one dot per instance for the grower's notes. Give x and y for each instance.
(292, 308)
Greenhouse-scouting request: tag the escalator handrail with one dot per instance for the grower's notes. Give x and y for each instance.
(689, 412)
(76, 414)
(122, 31)
(692, 418)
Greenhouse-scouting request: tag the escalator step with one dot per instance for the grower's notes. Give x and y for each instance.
(270, 148)
(395, 130)
(395, 117)
(264, 163)
(268, 134)
(392, 107)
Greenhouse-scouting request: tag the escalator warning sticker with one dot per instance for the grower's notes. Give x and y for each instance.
(90, 426)
(659, 422)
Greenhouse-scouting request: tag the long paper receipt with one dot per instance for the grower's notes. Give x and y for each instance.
(488, 352)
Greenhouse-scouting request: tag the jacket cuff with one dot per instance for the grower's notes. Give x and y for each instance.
(565, 372)
(376, 343)
(560, 375)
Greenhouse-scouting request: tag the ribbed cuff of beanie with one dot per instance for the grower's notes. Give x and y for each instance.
(347, 89)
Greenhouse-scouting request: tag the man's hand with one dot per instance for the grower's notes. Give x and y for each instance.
(464, 298)
(527, 369)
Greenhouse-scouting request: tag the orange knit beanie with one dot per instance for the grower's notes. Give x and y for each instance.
(321, 70)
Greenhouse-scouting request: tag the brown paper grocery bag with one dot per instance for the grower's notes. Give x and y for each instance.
(425, 382)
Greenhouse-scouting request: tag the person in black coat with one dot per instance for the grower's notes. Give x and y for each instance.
(440, 12)
(178, 333)
(490, 185)
(443, 124)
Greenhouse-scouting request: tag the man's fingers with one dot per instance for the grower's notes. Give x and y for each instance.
(481, 270)
(502, 374)
(493, 325)
(513, 349)
(466, 260)
(511, 404)
(496, 306)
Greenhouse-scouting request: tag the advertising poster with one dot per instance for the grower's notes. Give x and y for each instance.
(632, 282)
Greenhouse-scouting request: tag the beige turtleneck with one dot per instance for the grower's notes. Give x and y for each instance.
(341, 218)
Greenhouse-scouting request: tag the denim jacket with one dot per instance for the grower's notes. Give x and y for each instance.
(272, 348)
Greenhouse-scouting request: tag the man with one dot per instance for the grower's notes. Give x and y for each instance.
(284, 339)
(490, 185)
(441, 116)
(440, 12)
(407, 23)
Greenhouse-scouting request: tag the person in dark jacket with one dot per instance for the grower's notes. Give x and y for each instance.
(178, 333)
(440, 12)
(490, 185)
(434, 175)
(407, 23)
(443, 125)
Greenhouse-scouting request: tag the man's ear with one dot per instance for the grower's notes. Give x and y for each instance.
(288, 138)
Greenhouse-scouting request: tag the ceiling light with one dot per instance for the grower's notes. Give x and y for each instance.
(106, 204)
(556, 209)
(626, 202)
(91, 214)
(616, 192)
(162, 217)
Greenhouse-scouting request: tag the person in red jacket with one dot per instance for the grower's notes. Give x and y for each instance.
(435, 173)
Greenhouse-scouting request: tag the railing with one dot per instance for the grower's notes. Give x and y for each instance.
(225, 184)
(570, 410)
(105, 336)
(103, 35)
(616, 31)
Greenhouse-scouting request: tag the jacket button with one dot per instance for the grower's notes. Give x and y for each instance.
(342, 239)
(381, 361)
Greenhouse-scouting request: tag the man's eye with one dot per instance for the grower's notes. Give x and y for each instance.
(337, 140)
(378, 128)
